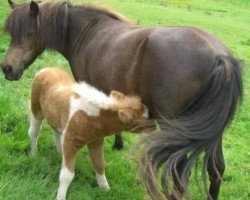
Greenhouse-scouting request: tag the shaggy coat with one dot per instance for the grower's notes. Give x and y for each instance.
(79, 115)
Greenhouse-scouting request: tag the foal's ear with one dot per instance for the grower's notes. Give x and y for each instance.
(34, 9)
(117, 95)
(125, 115)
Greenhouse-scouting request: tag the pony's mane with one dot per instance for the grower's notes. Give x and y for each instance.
(19, 23)
(99, 7)
(21, 15)
(101, 100)
(109, 11)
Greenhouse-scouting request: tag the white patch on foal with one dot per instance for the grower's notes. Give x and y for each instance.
(65, 179)
(102, 181)
(92, 95)
(81, 104)
(34, 129)
(146, 113)
(91, 100)
(58, 141)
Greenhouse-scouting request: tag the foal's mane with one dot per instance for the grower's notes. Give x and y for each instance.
(20, 22)
(98, 98)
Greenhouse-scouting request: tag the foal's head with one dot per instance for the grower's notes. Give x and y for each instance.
(131, 110)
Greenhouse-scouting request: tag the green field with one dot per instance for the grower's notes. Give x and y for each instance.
(36, 178)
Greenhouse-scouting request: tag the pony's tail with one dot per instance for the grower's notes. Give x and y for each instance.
(199, 129)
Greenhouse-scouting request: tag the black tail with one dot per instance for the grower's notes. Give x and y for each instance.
(199, 129)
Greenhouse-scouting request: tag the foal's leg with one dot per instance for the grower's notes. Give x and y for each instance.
(34, 129)
(178, 191)
(118, 142)
(97, 157)
(67, 170)
(214, 178)
(58, 141)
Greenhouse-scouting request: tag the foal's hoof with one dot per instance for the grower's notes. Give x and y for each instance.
(105, 188)
(32, 153)
(59, 197)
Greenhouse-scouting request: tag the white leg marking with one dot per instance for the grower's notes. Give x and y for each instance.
(65, 179)
(102, 181)
(146, 113)
(58, 141)
(34, 129)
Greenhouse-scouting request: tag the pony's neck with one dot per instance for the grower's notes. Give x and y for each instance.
(54, 26)
(71, 28)
(82, 26)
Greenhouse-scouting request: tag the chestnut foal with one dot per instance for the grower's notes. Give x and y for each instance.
(79, 115)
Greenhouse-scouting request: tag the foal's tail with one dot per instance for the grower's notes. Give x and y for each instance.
(199, 129)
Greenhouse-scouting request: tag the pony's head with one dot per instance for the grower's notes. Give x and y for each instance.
(130, 108)
(32, 27)
(22, 25)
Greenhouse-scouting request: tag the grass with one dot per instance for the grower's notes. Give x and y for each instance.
(29, 178)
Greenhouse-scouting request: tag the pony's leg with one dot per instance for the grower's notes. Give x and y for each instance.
(214, 178)
(34, 129)
(118, 142)
(67, 170)
(178, 191)
(97, 157)
(58, 141)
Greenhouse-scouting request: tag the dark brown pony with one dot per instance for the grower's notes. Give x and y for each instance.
(187, 78)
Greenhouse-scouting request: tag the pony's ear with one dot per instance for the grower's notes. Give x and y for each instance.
(117, 95)
(12, 4)
(34, 9)
(125, 115)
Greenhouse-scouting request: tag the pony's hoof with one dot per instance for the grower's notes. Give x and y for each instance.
(117, 147)
(118, 144)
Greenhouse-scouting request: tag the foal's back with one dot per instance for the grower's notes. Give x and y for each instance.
(51, 86)
(49, 77)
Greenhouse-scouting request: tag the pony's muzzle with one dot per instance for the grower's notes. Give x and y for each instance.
(8, 72)
(7, 69)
